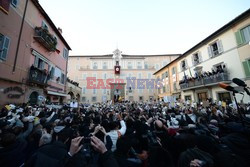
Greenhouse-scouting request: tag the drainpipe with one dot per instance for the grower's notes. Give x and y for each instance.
(66, 75)
(19, 36)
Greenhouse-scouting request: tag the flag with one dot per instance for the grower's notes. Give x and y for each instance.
(5, 5)
(57, 51)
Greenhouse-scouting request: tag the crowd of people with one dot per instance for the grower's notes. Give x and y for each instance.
(126, 134)
(204, 75)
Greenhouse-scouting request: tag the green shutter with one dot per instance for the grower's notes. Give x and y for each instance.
(246, 68)
(238, 38)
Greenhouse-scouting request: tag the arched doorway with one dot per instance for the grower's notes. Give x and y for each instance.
(33, 98)
(72, 96)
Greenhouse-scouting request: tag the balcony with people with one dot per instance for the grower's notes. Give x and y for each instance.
(38, 76)
(43, 36)
(207, 78)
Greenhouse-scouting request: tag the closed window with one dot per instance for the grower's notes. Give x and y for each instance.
(139, 76)
(65, 53)
(95, 65)
(166, 74)
(104, 65)
(174, 86)
(83, 90)
(139, 65)
(157, 67)
(14, 3)
(94, 91)
(94, 99)
(62, 78)
(4, 46)
(246, 65)
(173, 70)
(146, 65)
(105, 76)
(104, 91)
(149, 75)
(83, 99)
(84, 76)
(130, 66)
(243, 35)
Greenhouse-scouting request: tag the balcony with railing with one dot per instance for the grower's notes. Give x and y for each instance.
(206, 81)
(38, 76)
(43, 36)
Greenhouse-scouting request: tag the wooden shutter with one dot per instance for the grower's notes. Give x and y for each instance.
(193, 59)
(200, 57)
(220, 47)
(186, 64)
(36, 61)
(246, 66)
(209, 51)
(6, 43)
(238, 37)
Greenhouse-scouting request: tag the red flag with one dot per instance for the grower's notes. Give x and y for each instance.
(5, 5)
(57, 51)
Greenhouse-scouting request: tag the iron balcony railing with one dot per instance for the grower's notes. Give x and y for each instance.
(45, 38)
(38, 76)
(209, 80)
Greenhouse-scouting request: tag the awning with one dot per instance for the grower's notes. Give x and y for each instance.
(57, 94)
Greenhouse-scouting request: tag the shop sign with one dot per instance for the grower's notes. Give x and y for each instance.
(12, 90)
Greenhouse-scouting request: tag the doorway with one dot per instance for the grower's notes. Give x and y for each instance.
(202, 96)
(33, 98)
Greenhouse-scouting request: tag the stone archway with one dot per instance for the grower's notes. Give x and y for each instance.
(72, 96)
(33, 99)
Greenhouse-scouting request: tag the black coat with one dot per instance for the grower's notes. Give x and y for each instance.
(13, 155)
(53, 155)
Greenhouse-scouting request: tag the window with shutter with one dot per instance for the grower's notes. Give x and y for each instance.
(65, 53)
(245, 33)
(219, 46)
(246, 65)
(200, 57)
(4, 47)
(238, 37)
(209, 51)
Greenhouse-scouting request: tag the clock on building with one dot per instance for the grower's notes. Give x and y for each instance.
(117, 69)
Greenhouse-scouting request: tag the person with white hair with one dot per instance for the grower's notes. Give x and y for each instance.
(46, 138)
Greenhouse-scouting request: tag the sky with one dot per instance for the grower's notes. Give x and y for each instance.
(97, 27)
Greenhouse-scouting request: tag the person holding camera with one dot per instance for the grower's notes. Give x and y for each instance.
(116, 133)
(101, 133)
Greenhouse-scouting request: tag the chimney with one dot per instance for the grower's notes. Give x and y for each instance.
(60, 30)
